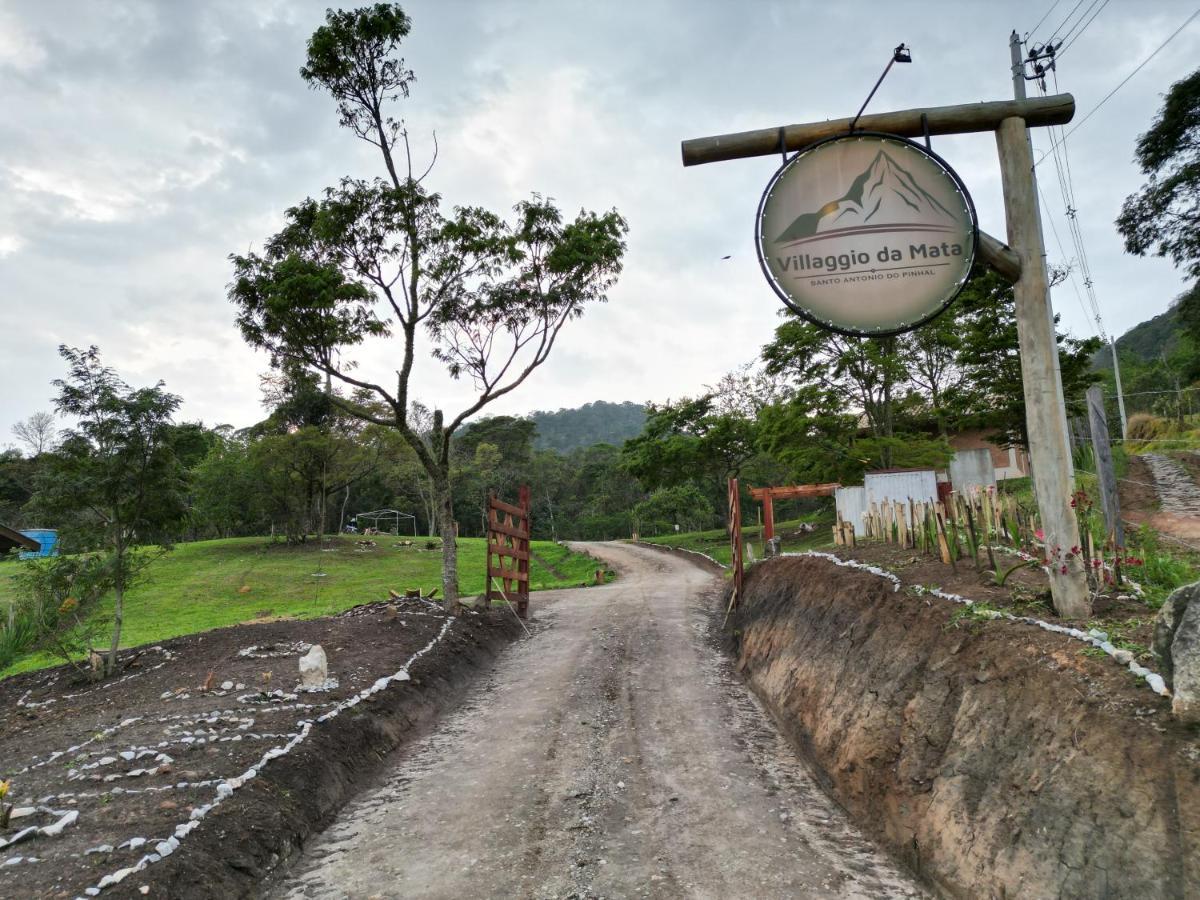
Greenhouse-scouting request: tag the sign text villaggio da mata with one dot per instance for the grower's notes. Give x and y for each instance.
(866, 234)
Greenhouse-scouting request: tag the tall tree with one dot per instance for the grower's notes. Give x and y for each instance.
(989, 395)
(114, 485)
(1164, 215)
(37, 433)
(380, 257)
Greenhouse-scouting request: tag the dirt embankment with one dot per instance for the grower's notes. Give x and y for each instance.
(162, 744)
(995, 758)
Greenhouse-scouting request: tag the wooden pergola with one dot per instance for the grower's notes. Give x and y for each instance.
(768, 495)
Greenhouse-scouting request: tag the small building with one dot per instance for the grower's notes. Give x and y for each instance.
(884, 486)
(14, 540)
(1009, 462)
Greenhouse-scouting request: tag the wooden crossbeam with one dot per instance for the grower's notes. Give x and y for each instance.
(510, 530)
(793, 492)
(509, 508)
(502, 550)
(1057, 109)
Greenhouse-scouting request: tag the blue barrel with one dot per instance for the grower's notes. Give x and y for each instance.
(47, 537)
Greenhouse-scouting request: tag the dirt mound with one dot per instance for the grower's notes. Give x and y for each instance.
(168, 746)
(997, 759)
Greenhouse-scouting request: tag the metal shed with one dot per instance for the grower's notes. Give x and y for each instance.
(851, 503)
(900, 487)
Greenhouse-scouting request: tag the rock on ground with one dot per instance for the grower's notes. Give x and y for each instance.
(1177, 645)
(314, 668)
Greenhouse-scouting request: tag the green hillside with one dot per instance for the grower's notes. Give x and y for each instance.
(600, 422)
(1146, 341)
(211, 584)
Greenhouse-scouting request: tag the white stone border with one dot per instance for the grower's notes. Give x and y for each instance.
(851, 564)
(226, 788)
(1095, 638)
(684, 550)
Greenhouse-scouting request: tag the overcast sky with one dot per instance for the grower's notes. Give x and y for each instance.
(143, 142)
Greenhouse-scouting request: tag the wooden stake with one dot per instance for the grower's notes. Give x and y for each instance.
(943, 544)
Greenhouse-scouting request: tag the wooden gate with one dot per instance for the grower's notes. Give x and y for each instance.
(508, 550)
(735, 542)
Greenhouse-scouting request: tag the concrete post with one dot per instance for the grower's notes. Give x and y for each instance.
(1104, 465)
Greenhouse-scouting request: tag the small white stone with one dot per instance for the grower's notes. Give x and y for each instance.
(127, 755)
(227, 685)
(314, 667)
(57, 827)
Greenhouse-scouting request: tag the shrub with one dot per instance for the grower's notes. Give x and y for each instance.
(56, 608)
(1145, 427)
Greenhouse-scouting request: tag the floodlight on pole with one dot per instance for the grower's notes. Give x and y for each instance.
(902, 54)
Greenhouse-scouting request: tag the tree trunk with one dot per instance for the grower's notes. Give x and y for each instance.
(449, 546)
(110, 665)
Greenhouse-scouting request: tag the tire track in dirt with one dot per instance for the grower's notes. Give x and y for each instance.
(612, 754)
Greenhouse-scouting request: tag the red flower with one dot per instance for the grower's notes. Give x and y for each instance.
(1064, 569)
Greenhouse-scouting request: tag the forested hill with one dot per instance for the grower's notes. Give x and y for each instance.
(1145, 342)
(593, 423)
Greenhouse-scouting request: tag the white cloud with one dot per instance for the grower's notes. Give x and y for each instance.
(10, 244)
(144, 142)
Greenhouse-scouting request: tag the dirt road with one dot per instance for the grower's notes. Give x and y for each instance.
(613, 754)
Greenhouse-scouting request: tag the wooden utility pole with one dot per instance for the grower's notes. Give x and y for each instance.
(1045, 412)
(1022, 261)
(1104, 466)
(1018, 78)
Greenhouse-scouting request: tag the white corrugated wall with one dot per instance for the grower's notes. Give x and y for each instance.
(900, 487)
(851, 504)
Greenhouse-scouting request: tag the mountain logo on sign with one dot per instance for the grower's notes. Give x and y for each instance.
(883, 198)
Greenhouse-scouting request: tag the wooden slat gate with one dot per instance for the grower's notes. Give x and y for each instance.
(508, 550)
(735, 541)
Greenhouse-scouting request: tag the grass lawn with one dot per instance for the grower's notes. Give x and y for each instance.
(716, 543)
(210, 584)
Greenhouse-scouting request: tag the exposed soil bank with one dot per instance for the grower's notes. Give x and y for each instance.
(996, 759)
(213, 733)
(273, 816)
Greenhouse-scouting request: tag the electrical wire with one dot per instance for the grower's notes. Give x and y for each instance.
(1072, 31)
(1029, 35)
(1054, 33)
(1071, 270)
(1144, 393)
(1068, 44)
(1124, 81)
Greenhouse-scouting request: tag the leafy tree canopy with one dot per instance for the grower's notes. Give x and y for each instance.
(1163, 217)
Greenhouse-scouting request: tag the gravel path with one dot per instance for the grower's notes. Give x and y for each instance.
(1177, 492)
(613, 754)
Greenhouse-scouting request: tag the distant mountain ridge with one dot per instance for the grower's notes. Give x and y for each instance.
(1146, 340)
(599, 422)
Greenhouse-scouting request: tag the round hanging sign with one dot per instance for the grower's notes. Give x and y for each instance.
(866, 234)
